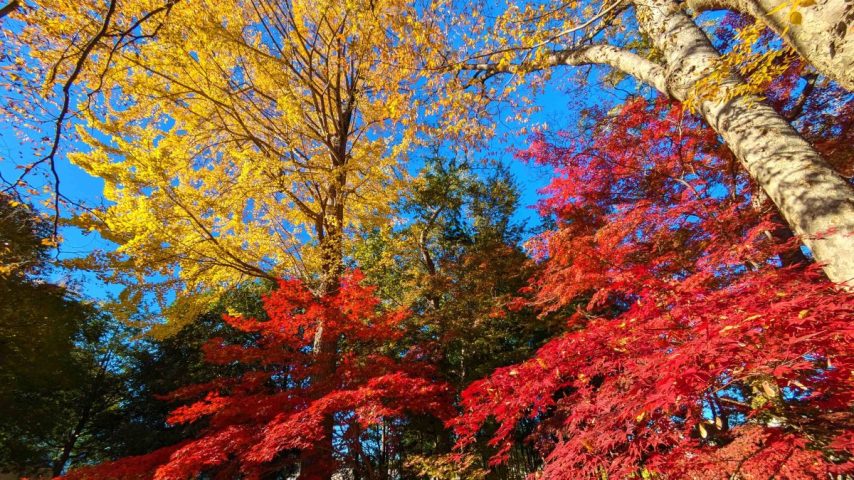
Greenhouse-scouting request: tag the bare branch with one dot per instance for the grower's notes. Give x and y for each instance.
(9, 8)
(50, 158)
(625, 61)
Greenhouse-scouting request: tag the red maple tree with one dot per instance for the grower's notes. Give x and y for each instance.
(700, 344)
(273, 417)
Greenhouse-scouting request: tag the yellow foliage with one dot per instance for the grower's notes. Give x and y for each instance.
(446, 467)
(239, 139)
(756, 65)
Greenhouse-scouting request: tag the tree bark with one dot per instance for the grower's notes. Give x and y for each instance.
(823, 36)
(9, 8)
(781, 234)
(320, 461)
(813, 199)
(816, 202)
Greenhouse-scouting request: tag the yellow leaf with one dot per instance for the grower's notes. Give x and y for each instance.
(587, 446)
(768, 389)
(703, 432)
(795, 18)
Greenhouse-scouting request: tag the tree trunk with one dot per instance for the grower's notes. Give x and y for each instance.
(781, 234)
(822, 35)
(86, 413)
(813, 199)
(427, 258)
(320, 463)
(9, 8)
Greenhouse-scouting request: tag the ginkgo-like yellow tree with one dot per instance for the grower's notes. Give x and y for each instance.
(237, 139)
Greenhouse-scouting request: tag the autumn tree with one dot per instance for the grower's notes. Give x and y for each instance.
(695, 353)
(237, 140)
(8, 8)
(157, 367)
(271, 416)
(244, 141)
(658, 44)
(457, 259)
(464, 263)
(819, 32)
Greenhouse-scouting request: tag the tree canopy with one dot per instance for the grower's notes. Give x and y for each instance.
(406, 240)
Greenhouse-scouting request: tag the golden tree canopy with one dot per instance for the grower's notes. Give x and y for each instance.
(238, 139)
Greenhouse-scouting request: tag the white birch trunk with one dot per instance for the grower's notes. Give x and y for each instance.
(816, 202)
(824, 37)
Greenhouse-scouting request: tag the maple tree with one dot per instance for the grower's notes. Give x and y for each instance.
(237, 140)
(693, 353)
(255, 421)
(245, 141)
(236, 90)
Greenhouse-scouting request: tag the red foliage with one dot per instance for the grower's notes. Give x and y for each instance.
(691, 352)
(256, 423)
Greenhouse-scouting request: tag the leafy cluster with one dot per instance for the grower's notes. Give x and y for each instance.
(324, 272)
(63, 367)
(694, 352)
(273, 414)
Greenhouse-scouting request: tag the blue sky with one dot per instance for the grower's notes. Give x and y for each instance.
(76, 184)
(559, 105)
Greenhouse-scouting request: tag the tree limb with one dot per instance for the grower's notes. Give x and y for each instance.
(50, 158)
(9, 8)
(625, 61)
(822, 36)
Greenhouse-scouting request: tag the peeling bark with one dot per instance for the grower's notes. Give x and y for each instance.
(816, 202)
(824, 37)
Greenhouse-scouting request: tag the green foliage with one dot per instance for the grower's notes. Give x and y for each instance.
(60, 372)
(161, 366)
(458, 262)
